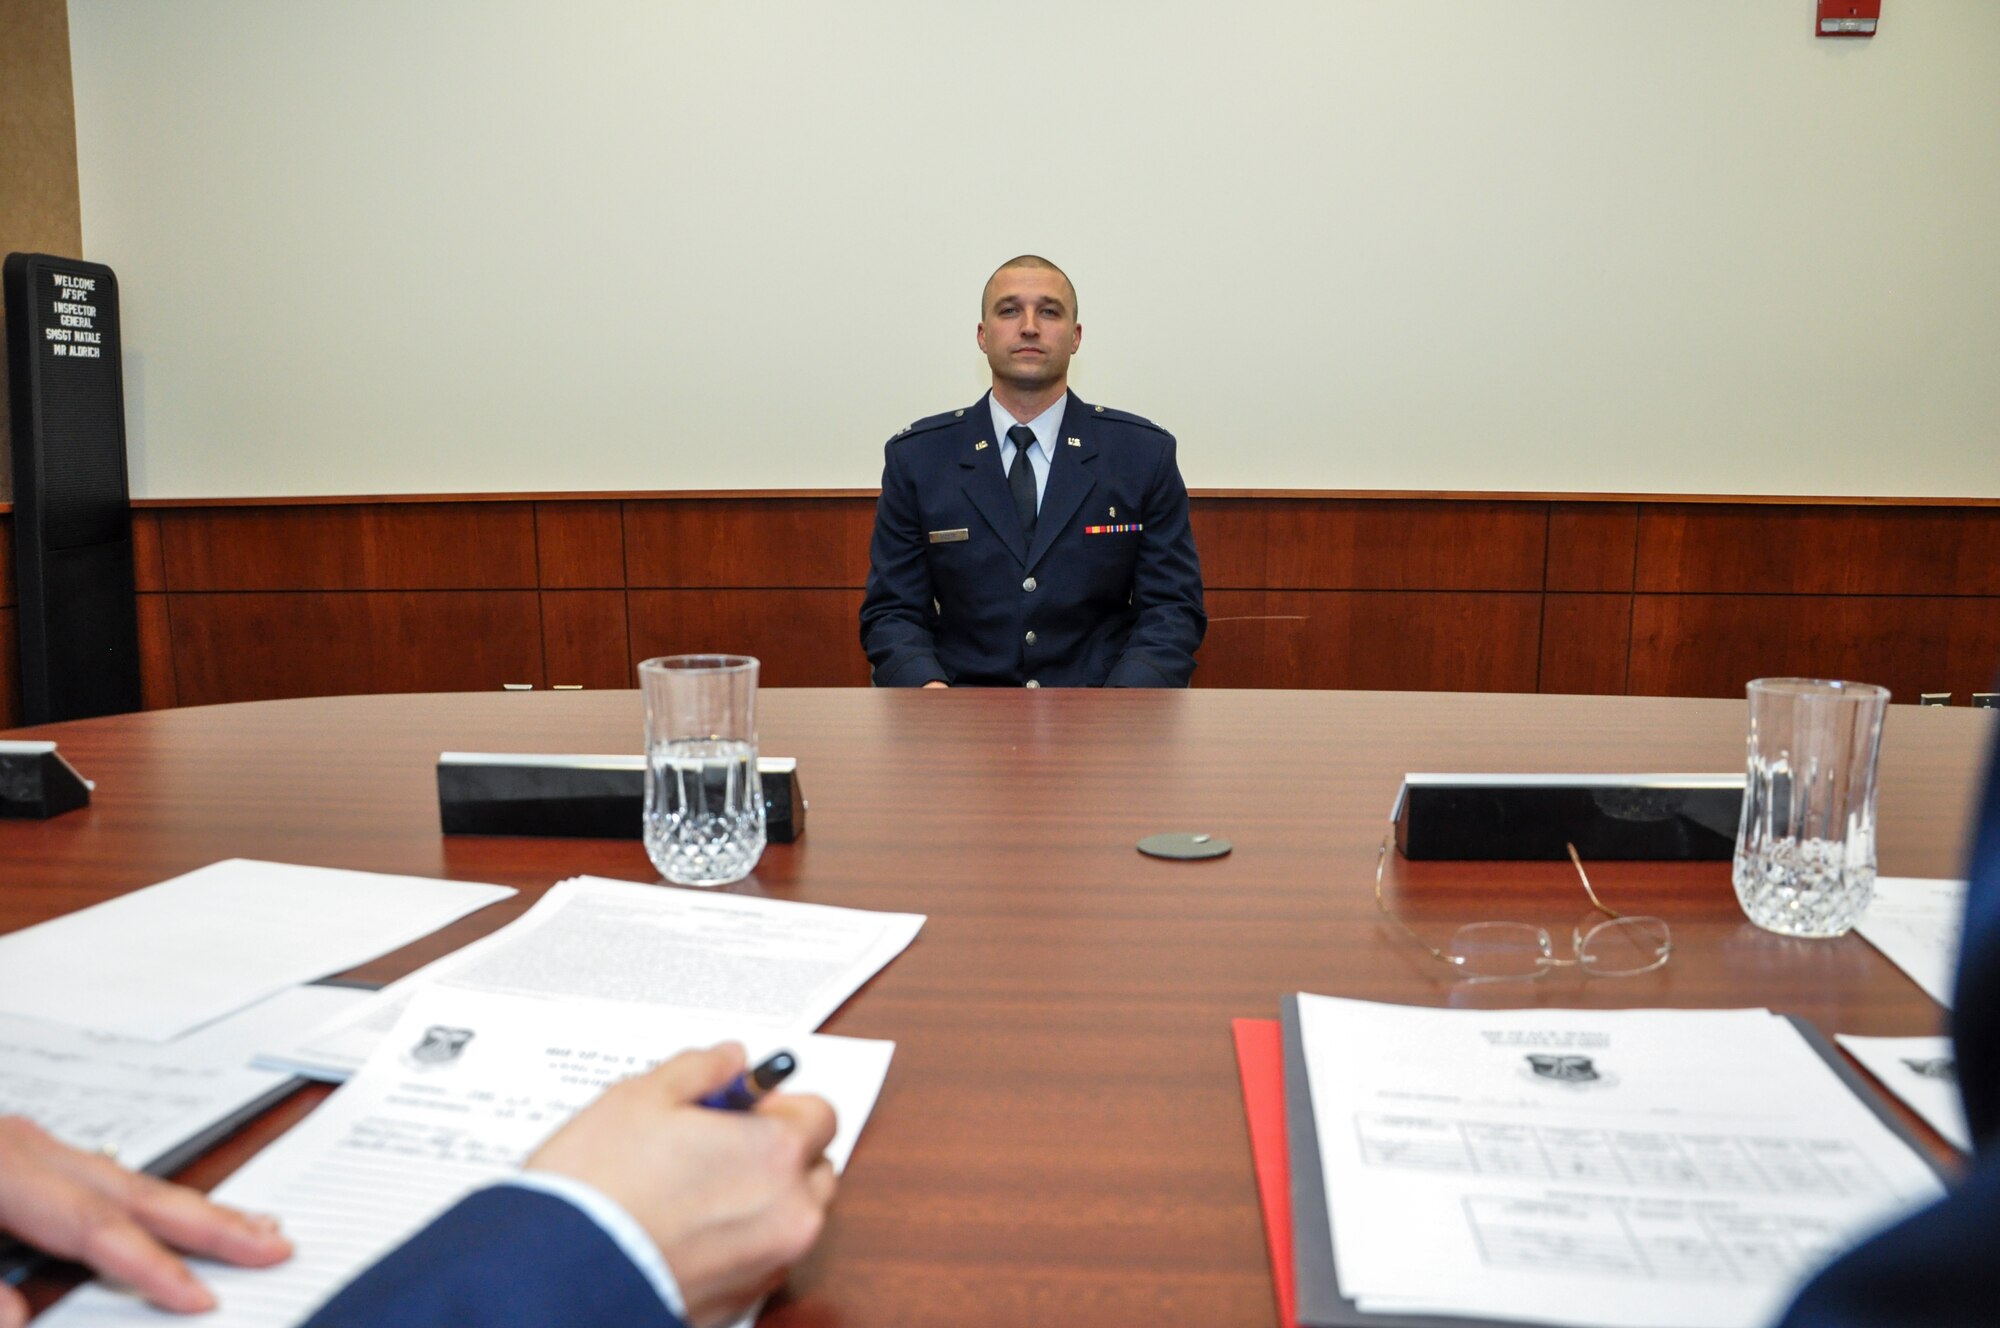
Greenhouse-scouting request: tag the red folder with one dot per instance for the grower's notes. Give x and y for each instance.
(1261, 1063)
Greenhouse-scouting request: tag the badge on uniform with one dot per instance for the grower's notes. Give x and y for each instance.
(1132, 528)
(979, 446)
(958, 536)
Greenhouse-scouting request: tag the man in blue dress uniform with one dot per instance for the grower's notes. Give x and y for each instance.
(1031, 539)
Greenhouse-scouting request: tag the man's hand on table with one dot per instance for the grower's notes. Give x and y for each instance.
(124, 1225)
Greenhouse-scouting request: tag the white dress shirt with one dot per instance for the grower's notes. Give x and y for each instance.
(1043, 452)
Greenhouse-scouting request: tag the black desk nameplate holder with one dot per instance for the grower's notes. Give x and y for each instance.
(581, 797)
(36, 783)
(1530, 818)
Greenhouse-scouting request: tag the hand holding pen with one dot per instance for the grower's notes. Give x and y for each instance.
(746, 1090)
(731, 1196)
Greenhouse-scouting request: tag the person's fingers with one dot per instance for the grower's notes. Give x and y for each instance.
(71, 1204)
(13, 1307)
(821, 1183)
(189, 1221)
(696, 1074)
(180, 1216)
(120, 1250)
(808, 1114)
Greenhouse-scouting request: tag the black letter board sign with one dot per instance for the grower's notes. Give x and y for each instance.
(79, 627)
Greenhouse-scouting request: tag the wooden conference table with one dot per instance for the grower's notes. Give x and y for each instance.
(1061, 1138)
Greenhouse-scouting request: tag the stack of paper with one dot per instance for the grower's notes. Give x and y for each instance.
(1916, 923)
(162, 961)
(1637, 1168)
(766, 964)
(413, 1132)
(154, 1105)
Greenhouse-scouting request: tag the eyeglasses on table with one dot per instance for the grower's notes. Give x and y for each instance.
(1618, 947)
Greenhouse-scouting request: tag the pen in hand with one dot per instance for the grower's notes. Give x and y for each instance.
(747, 1089)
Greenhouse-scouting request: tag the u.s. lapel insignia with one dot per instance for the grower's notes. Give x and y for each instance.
(1074, 442)
(979, 446)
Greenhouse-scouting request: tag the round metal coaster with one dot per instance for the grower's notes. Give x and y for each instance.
(1183, 846)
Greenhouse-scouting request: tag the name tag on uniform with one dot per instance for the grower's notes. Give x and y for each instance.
(951, 536)
(1132, 529)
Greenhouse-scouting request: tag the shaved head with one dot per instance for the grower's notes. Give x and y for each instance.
(1026, 260)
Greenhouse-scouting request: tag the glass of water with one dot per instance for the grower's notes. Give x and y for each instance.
(1805, 849)
(704, 802)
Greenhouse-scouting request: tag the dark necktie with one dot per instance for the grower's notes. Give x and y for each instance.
(1021, 479)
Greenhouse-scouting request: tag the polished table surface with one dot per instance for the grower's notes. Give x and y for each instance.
(1061, 1137)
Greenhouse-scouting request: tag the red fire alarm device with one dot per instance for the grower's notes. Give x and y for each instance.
(1848, 18)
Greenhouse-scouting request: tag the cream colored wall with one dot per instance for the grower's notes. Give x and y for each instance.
(1577, 245)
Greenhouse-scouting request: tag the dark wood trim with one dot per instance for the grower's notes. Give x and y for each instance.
(1384, 495)
(525, 496)
(244, 599)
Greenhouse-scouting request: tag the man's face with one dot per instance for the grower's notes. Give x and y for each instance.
(1030, 328)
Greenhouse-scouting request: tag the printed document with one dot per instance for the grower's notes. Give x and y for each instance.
(140, 1101)
(1638, 1168)
(467, 1085)
(765, 963)
(161, 961)
(1923, 1072)
(1916, 924)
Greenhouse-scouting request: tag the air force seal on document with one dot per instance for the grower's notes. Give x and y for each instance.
(1570, 1071)
(438, 1046)
(1941, 1068)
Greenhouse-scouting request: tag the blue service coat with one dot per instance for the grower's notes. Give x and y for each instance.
(1941, 1267)
(502, 1257)
(1110, 591)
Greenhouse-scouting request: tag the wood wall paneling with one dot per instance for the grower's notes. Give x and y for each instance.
(157, 690)
(768, 542)
(10, 670)
(391, 546)
(240, 601)
(1586, 643)
(805, 638)
(254, 646)
(1355, 544)
(580, 546)
(1819, 550)
(1387, 640)
(585, 639)
(149, 559)
(1711, 645)
(1591, 546)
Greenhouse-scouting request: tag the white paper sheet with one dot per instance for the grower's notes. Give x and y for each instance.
(160, 961)
(142, 1100)
(406, 1138)
(766, 963)
(1916, 923)
(1638, 1168)
(1923, 1072)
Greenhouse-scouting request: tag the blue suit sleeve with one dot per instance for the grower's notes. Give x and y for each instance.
(502, 1256)
(1938, 1267)
(897, 609)
(1166, 590)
